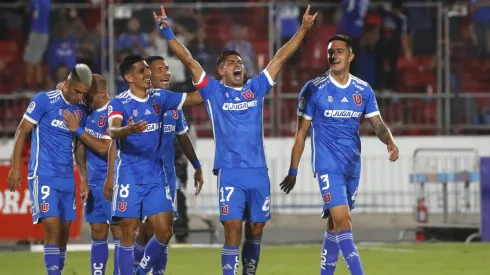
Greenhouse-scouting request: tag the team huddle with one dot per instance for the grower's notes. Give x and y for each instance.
(124, 150)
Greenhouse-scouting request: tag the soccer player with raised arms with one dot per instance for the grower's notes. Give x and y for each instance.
(51, 179)
(174, 126)
(97, 141)
(140, 190)
(235, 109)
(332, 105)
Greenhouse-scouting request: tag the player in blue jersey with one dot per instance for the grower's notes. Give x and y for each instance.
(51, 179)
(97, 208)
(140, 191)
(333, 105)
(235, 110)
(174, 126)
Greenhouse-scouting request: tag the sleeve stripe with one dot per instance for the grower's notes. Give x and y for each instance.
(115, 116)
(201, 78)
(305, 116)
(106, 137)
(183, 131)
(372, 114)
(269, 78)
(31, 120)
(184, 96)
(203, 83)
(115, 113)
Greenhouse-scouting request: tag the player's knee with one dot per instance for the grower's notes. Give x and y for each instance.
(233, 232)
(254, 230)
(116, 231)
(128, 231)
(164, 234)
(145, 233)
(52, 230)
(343, 223)
(99, 231)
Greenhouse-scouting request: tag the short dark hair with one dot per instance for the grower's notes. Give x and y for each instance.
(225, 55)
(128, 62)
(153, 58)
(341, 37)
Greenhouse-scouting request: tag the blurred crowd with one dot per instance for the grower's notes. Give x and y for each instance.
(395, 45)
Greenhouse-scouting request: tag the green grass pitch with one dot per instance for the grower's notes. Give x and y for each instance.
(400, 259)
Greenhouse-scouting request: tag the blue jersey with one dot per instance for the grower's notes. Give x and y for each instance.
(139, 154)
(97, 127)
(352, 21)
(174, 123)
(237, 116)
(335, 112)
(52, 142)
(40, 15)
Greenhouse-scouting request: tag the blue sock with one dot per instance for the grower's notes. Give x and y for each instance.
(161, 264)
(52, 259)
(125, 260)
(139, 251)
(62, 258)
(116, 254)
(250, 256)
(153, 252)
(349, 252)
(98, 256)
(330, 254)
(229, 260)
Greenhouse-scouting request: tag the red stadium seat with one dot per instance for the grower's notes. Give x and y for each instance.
(9, 51)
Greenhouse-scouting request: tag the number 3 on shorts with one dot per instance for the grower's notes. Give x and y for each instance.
(325, 180)
(228, 190)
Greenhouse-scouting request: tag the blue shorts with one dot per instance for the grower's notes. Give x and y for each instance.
(52, 197)
(173, 195)
(145, 199)
(97, 208)
(173, 186)
(337, 190)
(245, 194)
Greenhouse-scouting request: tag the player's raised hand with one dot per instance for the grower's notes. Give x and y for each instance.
(161, 19)
(137, 127)
(108, 188)
(288, 183)
(198, 181)
(61, 86)
(70, 120)
(308, 19)
(84, 190)
(13, 179)
(393, 150)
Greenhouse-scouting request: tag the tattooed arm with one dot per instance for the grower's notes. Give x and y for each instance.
(384, 134)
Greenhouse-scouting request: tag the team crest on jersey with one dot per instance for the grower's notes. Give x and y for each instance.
(109, 109)
(357, 99)
(301, 104)
(122, 206)
(44, 207)
(327, 198)
(135, 112)
(102, 121)
(175, 114)
(78, 113)
(248, 94)
(60, 112)
(156, 108)
(330, 99)
(31, 107)
(227, 94)
(224, 210)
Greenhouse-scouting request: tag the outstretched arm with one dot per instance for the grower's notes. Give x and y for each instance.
(291, 46)
(384, 134)
(179, 50)
(193, 98)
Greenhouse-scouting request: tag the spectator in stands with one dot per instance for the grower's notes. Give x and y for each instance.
(133, 39)
(69, 20)
(62, 50)
(287, 24)
(393, 39)
(204, 52)
(245, 48)
(121, 84)
(352, 24)
(480, 10)
(366, 57)
(37, 41)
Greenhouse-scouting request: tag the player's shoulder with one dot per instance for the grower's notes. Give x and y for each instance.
(318, 83)
(155, 93)
(122, 98)
(360, 84)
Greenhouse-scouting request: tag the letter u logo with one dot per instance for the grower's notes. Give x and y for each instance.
(248, 94)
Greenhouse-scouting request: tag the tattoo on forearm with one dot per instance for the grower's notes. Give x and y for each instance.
(381, 130)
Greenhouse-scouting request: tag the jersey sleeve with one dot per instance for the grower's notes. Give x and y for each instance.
(371, 108)
(262, 83)
(172, 101)
(115, 109)
(205, 86)
(36, 108)
(306, 107)
(181, 124)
